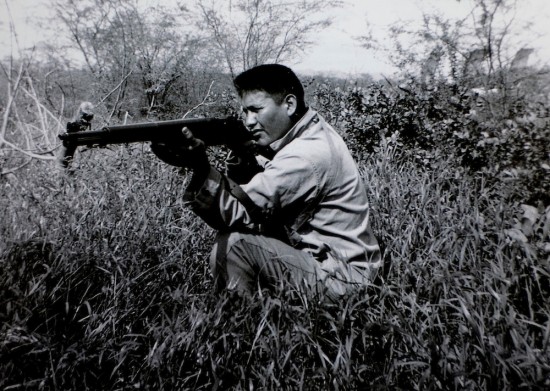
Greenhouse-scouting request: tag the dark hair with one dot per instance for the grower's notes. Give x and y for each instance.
(275, 79)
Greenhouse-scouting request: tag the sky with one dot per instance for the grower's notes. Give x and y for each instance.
(337, 50)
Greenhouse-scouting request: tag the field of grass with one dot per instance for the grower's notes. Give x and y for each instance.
(104, 285)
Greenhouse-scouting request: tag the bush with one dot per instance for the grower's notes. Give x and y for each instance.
(426, 126)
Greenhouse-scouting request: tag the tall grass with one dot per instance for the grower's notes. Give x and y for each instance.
(105, 285)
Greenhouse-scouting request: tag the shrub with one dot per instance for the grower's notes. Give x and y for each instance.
(426, 126)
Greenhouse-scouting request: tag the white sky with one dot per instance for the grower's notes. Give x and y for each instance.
(337, 50)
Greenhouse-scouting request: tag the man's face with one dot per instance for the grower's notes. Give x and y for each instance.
(267, 120)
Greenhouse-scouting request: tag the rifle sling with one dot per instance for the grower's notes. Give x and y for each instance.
(253, 210)
(257, 215)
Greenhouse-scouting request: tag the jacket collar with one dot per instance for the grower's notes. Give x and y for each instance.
(295, 131)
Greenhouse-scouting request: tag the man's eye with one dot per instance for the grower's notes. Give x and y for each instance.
(247, 110)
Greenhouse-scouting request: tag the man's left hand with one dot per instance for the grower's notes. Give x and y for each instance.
(191, 154)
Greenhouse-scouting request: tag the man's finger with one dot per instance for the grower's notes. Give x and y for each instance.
(191, 141)
(187, 134)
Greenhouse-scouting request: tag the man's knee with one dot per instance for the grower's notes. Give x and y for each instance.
(225, 242)
(230, 262)
(228, 245)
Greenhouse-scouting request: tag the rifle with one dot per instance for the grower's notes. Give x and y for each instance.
(229, 131)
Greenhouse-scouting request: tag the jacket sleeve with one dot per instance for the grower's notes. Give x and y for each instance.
(287, 184)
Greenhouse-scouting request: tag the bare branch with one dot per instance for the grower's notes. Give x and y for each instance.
(29, 153)
(262, 31)
(200, 104)
(12, 170)
(12, 93)
(116, 88)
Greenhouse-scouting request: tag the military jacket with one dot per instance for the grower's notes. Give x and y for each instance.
(312, 187)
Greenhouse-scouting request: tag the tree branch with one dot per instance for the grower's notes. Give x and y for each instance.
(200, 104)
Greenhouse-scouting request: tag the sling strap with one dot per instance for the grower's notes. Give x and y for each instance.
(236, 191)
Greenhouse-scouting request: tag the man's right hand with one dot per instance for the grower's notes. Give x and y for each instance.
(241, 166)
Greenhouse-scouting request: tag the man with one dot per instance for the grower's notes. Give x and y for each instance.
(299, 222)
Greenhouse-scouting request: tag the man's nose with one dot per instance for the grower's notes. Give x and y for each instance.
(250, 119)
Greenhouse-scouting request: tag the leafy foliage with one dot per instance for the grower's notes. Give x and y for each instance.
(426, 126)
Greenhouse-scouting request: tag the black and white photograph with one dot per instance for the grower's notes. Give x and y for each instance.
(274, 195)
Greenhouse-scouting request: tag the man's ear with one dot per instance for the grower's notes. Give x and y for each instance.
(291, 104)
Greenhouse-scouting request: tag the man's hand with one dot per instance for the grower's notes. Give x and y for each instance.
(241, 165)
(191, 154)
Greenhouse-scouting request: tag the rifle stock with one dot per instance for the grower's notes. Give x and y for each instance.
(212, 131)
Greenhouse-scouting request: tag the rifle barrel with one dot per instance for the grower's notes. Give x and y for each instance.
(212, 131)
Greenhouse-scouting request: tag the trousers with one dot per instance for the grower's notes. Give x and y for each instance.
(248, 262)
